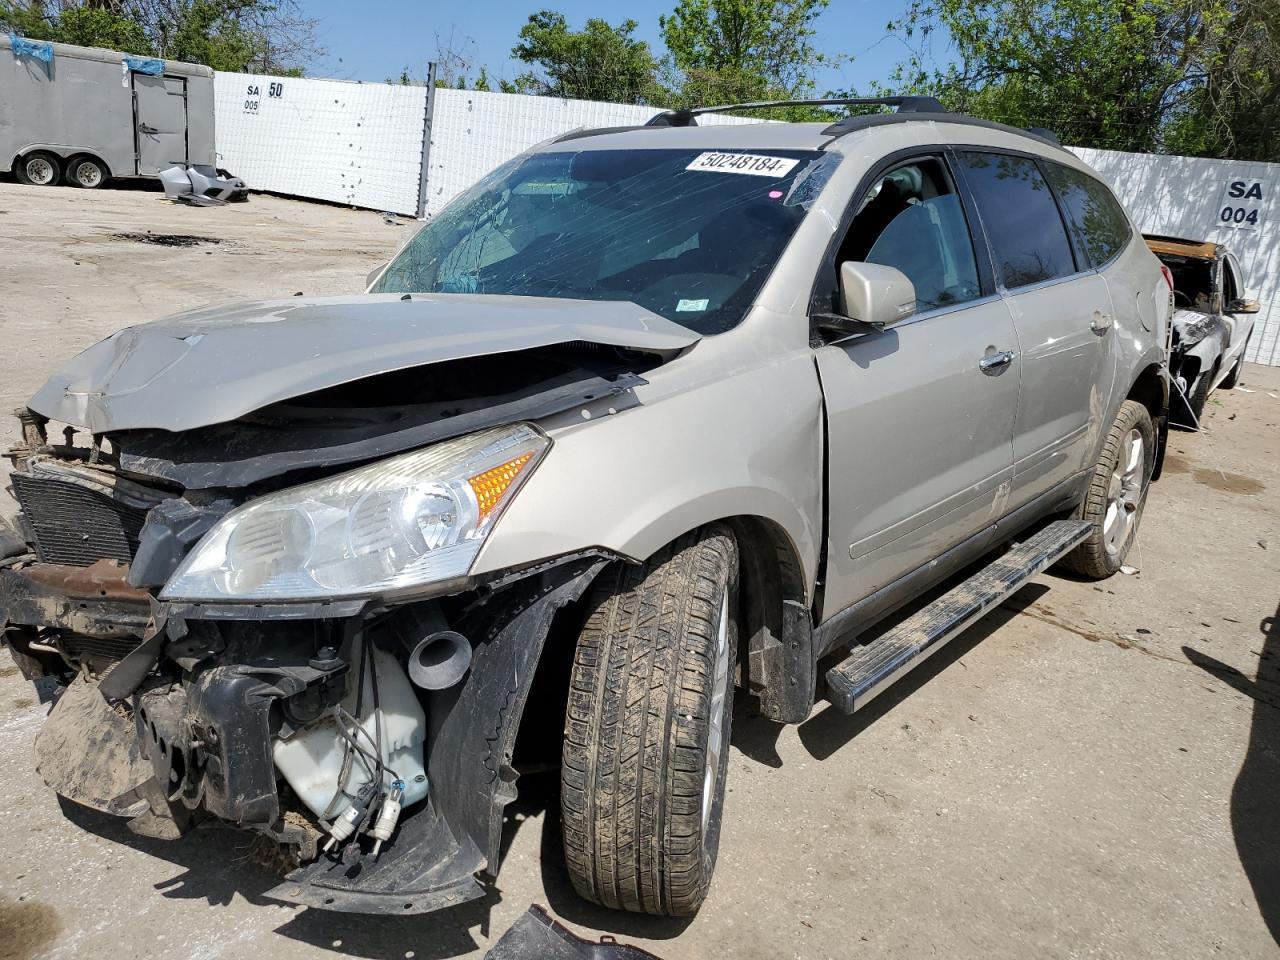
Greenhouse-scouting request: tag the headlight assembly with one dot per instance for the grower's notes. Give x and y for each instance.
(409, 520)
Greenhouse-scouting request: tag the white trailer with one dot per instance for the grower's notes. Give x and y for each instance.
(87, 115)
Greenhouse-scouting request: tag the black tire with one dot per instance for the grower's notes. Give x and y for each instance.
(1101, 555)
(32, 170)
(1232, 379)
(639, 723)
(86, 172)
(1200, 391)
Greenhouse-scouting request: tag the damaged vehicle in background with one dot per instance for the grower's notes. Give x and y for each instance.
(1212, 321)
(646, 416)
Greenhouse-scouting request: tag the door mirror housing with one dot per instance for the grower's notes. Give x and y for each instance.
(872, 297)
(1241, 305)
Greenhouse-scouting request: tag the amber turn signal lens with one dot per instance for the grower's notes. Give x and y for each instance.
(492, 484)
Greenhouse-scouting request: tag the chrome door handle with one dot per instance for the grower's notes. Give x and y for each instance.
(996, 361)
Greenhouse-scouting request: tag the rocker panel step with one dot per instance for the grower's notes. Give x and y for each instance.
(870, 668)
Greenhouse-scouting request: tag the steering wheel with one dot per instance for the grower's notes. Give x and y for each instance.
(1185, 300)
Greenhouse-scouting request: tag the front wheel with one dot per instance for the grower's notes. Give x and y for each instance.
(1117, 494)
(646, 742)
(1232, 379)
(1199, 398)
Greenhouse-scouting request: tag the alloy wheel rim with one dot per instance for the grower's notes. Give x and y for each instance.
(88, 174)
(715, 731)
(39, 171)
(1124, 494)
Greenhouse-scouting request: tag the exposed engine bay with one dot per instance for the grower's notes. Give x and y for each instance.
(369, 730)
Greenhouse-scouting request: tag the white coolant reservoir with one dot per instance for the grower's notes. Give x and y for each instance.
(311, 760)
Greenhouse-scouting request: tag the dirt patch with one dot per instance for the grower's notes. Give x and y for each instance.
(1176, 463)
(23, 702)
(26, 928)
(8, 671)
(1227, 482)
(167, 239)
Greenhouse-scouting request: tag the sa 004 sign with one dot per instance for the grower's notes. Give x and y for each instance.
(1244, 204)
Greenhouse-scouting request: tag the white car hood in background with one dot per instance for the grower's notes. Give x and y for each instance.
(218, 363)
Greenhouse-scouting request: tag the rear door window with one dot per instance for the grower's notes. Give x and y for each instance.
(1020, 217)
(1098, 223)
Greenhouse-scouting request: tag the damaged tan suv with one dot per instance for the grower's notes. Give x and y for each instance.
(646, 417)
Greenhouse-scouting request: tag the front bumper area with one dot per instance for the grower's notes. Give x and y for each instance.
(193, 740)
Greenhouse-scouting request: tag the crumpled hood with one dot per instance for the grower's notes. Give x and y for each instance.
(218, 363)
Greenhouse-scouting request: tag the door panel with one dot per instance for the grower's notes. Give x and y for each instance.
(1062, 329)
(1062, 314)
(160, 121)
(919, 443)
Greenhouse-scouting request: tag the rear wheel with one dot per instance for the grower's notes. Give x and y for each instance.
(647, 729)
(39, 169)
(86, 172)
(1117, 493)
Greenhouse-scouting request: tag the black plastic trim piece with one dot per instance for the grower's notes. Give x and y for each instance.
(850, 125)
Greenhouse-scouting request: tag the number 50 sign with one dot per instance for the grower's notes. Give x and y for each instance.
(1244, 204)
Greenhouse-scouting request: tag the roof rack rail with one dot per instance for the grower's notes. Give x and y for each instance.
(688, 118)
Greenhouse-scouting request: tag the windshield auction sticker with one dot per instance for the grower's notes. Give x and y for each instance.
(755, 164)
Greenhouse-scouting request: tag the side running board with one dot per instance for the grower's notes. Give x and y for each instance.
(872, 667)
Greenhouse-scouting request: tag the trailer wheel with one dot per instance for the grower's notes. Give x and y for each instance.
(86, 172)
(38, 169)
(647, 730)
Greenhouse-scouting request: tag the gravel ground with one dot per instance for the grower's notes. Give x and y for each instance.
(1092, 771)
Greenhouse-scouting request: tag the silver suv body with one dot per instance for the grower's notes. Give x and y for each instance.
(645, 416)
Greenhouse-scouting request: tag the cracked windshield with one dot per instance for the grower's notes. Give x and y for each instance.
(688, 234)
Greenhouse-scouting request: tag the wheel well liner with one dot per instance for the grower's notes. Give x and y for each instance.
(777, 627)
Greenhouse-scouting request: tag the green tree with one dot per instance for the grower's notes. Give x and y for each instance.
(734, 50)
(599, 62)
(83, 26)
(260, 36)
(1193, 76)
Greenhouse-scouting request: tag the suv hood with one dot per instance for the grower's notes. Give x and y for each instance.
(218, 363)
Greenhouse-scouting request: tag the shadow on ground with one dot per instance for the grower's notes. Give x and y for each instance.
(216, 866)
(827, 730)
(1254, 820)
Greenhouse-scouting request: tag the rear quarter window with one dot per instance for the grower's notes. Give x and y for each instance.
(1097, 221)
(1020, 217)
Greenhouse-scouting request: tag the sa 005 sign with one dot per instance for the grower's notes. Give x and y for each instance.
(1244, 204)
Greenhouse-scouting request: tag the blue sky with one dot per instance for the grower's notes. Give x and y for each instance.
(375, 39)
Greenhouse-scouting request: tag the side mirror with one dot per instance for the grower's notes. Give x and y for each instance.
(1243, 306)
(872, 297)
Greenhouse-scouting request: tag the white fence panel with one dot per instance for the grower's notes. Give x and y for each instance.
(472, 132)
(356, 143)
(1188, 197)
